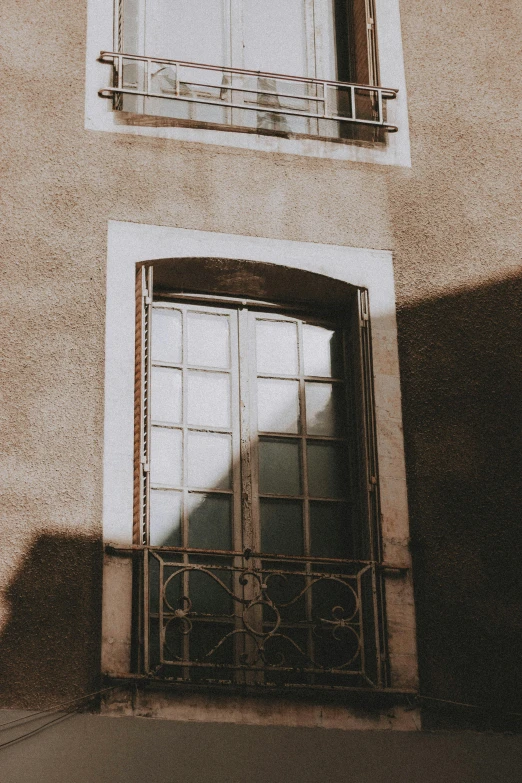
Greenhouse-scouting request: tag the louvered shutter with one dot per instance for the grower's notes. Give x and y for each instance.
(366, 474)
(141, 404)
(367, 477)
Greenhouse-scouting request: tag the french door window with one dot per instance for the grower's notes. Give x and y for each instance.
(257, 554)
(306, 67)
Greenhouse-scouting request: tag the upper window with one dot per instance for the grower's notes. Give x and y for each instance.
(256, 508)
(292, 68)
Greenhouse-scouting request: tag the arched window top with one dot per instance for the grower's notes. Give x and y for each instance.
(252, 280)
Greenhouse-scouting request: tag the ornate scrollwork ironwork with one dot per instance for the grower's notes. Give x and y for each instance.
(279, 619)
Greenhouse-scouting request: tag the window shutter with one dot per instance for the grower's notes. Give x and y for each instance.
(141, 404)
(364, 42)
(375, 650)
(361, 361)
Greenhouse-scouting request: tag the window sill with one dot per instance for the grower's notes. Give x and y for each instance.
(393, 153)
(347, 710)
(151, 121)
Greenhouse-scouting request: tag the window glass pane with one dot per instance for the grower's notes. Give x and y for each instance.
(209, 399)
(275, 36)
(166, 395)
(209, 460)
(324, 408)
(165, 518)
(330, 530)
(166, 335)
(209, 522)
(276, 346)
(208, 340)
(327, 470)
(166, 461)
(186, 30)
(281, 527)
(322, 352)
(279, 467)
(277, 405)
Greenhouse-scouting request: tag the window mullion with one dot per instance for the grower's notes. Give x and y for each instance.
(184, 480)
(248, 442)
(249, 475)
(306, 502)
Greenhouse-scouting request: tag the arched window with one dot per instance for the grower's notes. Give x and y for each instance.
(256, 533)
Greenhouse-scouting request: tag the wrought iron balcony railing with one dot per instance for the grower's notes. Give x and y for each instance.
(236, 97)
(211, 616)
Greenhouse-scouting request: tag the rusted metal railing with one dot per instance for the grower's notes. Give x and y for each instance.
(254, 618)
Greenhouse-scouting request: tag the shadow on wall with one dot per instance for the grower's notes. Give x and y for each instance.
(461, 375)
(461, 379)
(50, 646)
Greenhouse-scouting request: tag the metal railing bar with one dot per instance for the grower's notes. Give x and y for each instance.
(247, 554)
(265, 669)
(388, 92)
(155, 679)
(204, 619)
(109, 91)
(224, 104)
(224, 87)
(179, 567)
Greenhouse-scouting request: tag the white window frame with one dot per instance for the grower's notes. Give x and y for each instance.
(100, 116)
(130, 244)
(319, 49)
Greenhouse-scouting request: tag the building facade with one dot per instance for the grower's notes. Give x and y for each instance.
(260, 389)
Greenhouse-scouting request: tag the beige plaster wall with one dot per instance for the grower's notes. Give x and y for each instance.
(452, 221)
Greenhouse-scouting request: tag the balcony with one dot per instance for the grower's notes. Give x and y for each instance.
(230, 618)
(193, 94)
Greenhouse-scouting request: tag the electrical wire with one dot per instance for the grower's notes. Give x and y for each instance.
(56, 707)
(485, 708)
(59, 707)
(28, 734)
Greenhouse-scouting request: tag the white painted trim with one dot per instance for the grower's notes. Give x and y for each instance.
(131, 243)
(99, 115)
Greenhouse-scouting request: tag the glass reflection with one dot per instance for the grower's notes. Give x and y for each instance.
(279, 467)
(165, 518)
(166, 395)
(209, 460)
(276, 347)
(281, 526)
(322, 351)
(166, 335)
(166, 459)
(208, 399)
(323, 408)
(278, 405)
(208, 340)
(330, 530)
(326, 470)
(209, 522)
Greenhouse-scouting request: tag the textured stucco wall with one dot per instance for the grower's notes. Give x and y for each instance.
(457, 239)
(453, 222)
